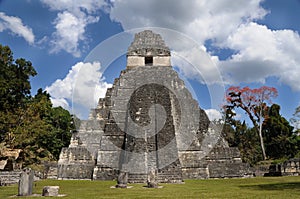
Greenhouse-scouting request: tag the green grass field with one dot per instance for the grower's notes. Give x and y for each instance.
(268, 187)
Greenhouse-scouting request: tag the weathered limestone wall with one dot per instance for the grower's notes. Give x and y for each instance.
(50, 171)
(226, 163)
(193, 166)
(219, 163)
(162, 61)
(90, 133)
(135, 61)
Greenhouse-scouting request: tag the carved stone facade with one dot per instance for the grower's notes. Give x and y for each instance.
(149, 121)
(148, 49)
(76, 161)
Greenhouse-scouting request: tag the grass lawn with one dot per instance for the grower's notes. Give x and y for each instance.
(267, 187)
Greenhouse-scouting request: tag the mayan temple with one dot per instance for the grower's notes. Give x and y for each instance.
(149, 121)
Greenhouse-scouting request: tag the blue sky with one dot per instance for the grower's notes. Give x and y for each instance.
(241, 43)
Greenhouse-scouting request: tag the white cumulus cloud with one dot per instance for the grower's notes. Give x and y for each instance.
(75, 5)
(80, 89)
(201, 20)
(213, 20)
(16, 26)
(70, 30)
(70, 24)
(196, 63)
(259, 51)
(263, 53)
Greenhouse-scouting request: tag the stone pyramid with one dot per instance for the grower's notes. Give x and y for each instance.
(149, 121)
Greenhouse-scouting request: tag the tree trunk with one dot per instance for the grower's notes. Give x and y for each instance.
(262, 141)
(259, 130)
(260, 133)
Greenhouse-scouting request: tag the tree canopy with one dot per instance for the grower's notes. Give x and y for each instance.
(14, 79)
(281, 141)
(29, 122)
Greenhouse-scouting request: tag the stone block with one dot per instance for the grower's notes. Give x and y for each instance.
(134, 61)
(161, 61)
(50, 191)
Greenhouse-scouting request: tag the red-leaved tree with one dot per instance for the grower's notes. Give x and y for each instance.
(254, 102)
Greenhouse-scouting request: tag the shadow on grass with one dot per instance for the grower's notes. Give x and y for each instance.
(295, 186)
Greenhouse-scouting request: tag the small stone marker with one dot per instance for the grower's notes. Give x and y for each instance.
(50, 191)
(152, 179)
(122, 180)
(26, 182)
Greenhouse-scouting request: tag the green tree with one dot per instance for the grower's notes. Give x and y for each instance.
(14, 91)
(14, 79)
(29, 122)
(60, 134)
(249, 146)
(50, 128)
(246, 139)
(281, 141)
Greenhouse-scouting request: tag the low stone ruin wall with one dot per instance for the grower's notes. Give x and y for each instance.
(12, 177)
(290, 167)
(50, 170)
(9, 177)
